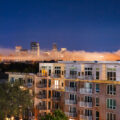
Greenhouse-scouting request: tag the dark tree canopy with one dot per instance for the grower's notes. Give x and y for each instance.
(13, 100)
(57, 115)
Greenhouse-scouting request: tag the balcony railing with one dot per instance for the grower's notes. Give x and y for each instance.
(41, 96)
(70, 89)
(41, 85)
(83, 117)
(42, 107)
(69, 102)
(42, 75)
(85, 91)
(29, 85)
(85, 104)
(71, 114)
(57, 75)
(90, 77)
(56, 98)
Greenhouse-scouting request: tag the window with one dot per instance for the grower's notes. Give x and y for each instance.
(78, 73)
(49, 105)
(97, 115)
(88, 99)
(72, 84)
(111, 103)
(57, 71)
(97, 75)
(97, 88)
(56, 105)
(49, 94)
(49, 72)
(73, 73)
(56, 83)
(111, 116)
(97, 101)
(12, 80)
(88, 112)
(72, 109)
(56, 94)
(49, 83)
(88, 71)
(111, 74)
(72, 97)
(111, 89)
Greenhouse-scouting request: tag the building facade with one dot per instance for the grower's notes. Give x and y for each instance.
(83, 90)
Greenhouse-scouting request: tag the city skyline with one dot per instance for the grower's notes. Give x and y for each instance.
(76, 25)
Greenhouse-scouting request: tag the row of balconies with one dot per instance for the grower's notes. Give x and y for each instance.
(71, 114)
(81, 90)
(44, 96)
(82, 77)
(69, 102)
(81, 117)
(81, 103)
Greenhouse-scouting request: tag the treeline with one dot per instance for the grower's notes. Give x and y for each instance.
(19, 67)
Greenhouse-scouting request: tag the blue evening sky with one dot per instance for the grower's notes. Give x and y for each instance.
(91, 25)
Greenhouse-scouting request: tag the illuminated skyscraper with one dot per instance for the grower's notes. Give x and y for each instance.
(35, 48)
(54, 47)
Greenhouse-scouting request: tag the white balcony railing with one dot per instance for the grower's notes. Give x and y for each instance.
(85, 91)
(69, 102)
(85, 104)
(70, 89)
(71, 114)
(83, 117)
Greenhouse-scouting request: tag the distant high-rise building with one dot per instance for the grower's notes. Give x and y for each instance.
(54, 47)
(63, 50)
(35, 48)
(18, 49)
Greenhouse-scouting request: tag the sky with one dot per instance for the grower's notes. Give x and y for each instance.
(90, 25)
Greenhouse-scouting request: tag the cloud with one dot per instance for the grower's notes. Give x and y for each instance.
(6, 51)
(58, 55)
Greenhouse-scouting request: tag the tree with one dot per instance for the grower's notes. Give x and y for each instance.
(13, 100)
(57, 115)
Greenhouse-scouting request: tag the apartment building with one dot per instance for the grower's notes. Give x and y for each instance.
(88, 90)
(49, 88)
(92, 90)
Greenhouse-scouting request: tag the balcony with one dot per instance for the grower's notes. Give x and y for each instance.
(55, 98)
(83, 117)
(85, 91)
(85, 104)
(28, 85)
(70, 89)
(70, 102)
(57, 75)
(72, 77)
(42, 75)
(71, 114)
(90, 77)
(41, 96)
(41, 85)
(42, 107)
